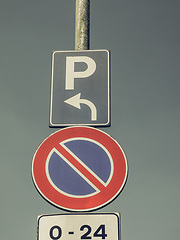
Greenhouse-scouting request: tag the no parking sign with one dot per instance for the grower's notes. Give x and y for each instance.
(79, 169)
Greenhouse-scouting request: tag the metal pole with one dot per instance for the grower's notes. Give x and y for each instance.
(82, 24)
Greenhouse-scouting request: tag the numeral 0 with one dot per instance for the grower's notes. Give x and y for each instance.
(55, 232)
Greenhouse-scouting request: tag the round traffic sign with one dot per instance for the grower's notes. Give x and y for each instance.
(79, 168)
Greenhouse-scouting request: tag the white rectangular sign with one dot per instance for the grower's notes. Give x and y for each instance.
(96, 226)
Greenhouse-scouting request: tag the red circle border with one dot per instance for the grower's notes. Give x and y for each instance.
(94, 202)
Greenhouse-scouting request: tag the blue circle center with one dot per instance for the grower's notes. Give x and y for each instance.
(67, 179)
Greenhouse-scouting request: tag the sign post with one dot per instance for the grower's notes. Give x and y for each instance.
(82, 25)
(80, 168)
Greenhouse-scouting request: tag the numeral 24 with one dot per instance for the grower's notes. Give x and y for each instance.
(100, 232)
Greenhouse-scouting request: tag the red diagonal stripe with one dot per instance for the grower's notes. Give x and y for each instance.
(80, 167)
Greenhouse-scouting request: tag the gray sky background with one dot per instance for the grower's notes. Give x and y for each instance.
(143, 37)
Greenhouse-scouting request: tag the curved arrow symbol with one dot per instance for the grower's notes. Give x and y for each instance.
(75, 102)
